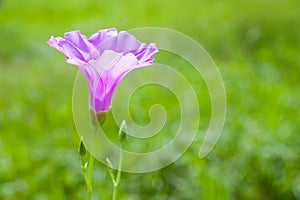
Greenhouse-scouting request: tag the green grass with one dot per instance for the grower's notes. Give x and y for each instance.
(256, 46)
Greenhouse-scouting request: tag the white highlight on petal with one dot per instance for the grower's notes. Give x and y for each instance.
(105, 61)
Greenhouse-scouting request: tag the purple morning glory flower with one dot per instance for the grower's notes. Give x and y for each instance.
(104, 58)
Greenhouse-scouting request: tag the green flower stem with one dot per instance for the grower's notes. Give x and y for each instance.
(87, 169)
(117, 181)
(90, 177)
(83, 169)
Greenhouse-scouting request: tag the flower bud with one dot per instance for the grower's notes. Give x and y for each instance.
(122, 132)
(109, 163)
(81, 150)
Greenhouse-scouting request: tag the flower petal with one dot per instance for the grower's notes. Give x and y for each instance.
(80, 42)
(53, 42)
(66, 48)
(102, 35)
(105, 61)
(144, 54)
(111, 78)
(123, 42)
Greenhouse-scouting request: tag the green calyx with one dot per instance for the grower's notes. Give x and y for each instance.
(99, 118)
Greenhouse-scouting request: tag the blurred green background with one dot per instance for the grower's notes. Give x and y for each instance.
(256, 46)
